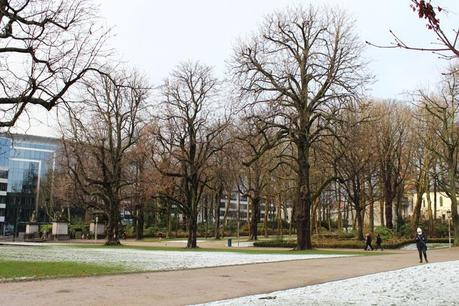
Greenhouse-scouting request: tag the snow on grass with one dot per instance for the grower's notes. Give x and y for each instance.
(430, 284)
(145, 260)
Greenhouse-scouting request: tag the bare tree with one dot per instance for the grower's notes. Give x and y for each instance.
(304, 66)
(186, 137)
(354, 161)
(98, 138)
(392, 149)
(256, 166)
(442, 120)
(45, 48)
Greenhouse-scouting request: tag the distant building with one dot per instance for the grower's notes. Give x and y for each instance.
(26, 167)
(442, 200)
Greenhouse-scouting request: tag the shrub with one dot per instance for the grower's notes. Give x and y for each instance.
(331, 244)
(384, 232)
(150, 231)
(46, 228)
(441, 229)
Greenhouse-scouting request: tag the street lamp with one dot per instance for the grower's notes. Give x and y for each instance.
(95, 228)
(448, 215)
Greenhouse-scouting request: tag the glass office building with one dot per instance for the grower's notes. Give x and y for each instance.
(26, 173)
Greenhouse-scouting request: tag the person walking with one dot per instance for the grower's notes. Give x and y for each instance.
(378, 242)
(421, 244)
(368, 242)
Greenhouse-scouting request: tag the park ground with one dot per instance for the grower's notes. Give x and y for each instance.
(209, 282)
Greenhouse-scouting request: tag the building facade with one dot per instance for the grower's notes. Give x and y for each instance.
(443, 204)
(26, 178)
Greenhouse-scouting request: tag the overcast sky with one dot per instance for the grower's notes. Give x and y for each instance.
(154, 36)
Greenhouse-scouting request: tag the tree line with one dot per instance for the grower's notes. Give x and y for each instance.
(292, 126)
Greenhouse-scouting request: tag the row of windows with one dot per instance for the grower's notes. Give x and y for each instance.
(3, 186)
(425, 205)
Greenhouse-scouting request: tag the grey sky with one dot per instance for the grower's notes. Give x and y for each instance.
(155, 35)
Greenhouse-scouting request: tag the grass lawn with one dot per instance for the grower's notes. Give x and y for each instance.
(17, 270)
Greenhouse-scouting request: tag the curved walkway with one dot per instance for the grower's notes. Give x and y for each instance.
(207, 284)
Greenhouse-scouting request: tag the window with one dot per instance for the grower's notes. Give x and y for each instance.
(441, 201)
(2, 199)
(4, 174)
(3, 187)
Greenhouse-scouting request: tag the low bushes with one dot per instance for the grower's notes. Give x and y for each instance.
(332, 244)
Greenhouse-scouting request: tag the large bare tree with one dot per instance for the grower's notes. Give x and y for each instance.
(187, 137)
(98, 137)
(304, 66)
(442, 120)
(45, 48)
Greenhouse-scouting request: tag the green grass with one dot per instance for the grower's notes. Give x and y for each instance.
(16, 270)
(229, 250)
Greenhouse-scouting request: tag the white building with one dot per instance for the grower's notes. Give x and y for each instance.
(443, 204)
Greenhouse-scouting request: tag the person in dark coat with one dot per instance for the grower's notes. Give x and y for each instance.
(378, 242)
(368, 242)
(421, 244)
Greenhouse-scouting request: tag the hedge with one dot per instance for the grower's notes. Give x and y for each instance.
(345, 244)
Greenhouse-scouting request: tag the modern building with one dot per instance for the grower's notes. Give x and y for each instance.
(238, 205)
(26, 173)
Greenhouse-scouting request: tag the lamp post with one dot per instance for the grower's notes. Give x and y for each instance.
(95, 228)
(448, 215)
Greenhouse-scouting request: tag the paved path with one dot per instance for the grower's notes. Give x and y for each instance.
(207, 284)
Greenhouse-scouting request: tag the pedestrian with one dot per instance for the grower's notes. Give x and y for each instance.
(368, 242)
(378, 242)
(421, 244)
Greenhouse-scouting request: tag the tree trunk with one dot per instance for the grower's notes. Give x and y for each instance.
(453, 197)
(372, 205)
(140, 222)
(192, 227)
(113, 235)
(435, 198)
(304, 200)
(169, 220)
(340, 217)
(417, 209)
(388, 209)
(265, 220)
(429, 213)
(255, 217)
(218, 197)
(359, 216)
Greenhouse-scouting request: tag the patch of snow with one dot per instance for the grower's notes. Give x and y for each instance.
(429, 284)
(145, 260)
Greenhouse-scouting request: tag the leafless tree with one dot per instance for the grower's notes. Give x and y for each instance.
(256, 166)
(392, 151)
(45, 48)
(354, 160)
(98, 137)
(442, 120)
(303, 66)
(186, 137)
